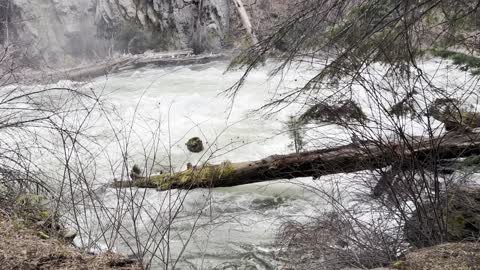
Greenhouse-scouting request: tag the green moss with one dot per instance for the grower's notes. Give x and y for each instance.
(44, 215)
(464, 61)
(401, 265)
(471, 119)
(33, 208)
(195, 177)
(469, 162)
(451, 113)
(456, 223)
(31, 200)
(43, 235)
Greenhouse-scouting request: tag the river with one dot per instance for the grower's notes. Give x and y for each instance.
(145, 116)
(158, 109)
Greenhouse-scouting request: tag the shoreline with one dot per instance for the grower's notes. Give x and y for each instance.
(111, 66)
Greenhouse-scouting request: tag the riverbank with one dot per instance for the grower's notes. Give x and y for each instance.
(23, 246)
(50, 75)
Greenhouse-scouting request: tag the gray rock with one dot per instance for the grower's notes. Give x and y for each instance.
(66, 32)
(69, 235)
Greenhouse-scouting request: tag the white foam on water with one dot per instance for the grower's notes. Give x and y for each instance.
(182, 102)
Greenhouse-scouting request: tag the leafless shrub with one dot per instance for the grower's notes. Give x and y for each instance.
(47, 150)
(373, 52)
(333, 241)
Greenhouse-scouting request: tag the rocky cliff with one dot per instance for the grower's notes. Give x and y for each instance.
(69, 32)
(52, 31)
(162, 24)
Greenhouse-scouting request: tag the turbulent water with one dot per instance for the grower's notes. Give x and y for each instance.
(158, 109)
(145, 116)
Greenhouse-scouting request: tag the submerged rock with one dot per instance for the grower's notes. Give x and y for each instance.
(267, 203)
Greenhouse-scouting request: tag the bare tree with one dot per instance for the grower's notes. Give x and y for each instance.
(372, 53)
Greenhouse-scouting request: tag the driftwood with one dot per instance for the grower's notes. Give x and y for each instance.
(122, 63)
(343, 159)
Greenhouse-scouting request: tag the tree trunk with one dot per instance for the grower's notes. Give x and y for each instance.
(343, 159)
(245, 20)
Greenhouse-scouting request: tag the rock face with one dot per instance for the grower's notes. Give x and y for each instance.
(52, 31)
(163, 24)
(70, 31)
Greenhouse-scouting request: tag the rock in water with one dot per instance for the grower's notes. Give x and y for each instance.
(136, 172)
(68, 235)
(195, 145)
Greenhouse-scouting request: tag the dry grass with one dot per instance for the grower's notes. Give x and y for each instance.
(451, 256)
(22, 247)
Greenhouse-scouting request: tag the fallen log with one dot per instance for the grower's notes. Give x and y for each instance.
(343, 159)
(133, 62)
(112, 66)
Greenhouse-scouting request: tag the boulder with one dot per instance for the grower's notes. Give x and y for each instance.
(459, 215)
(195, 145)
(453, 114)
(68, 235)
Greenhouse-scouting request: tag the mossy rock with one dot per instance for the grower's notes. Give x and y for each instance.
(33, 206)
(35, 210)
(195, 145)
(459, 211)
(453, 116)
(341, 111)
(472, 163)
(400, 265)
(465, 62)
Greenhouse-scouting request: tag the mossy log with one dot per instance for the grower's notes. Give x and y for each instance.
(342, 159)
